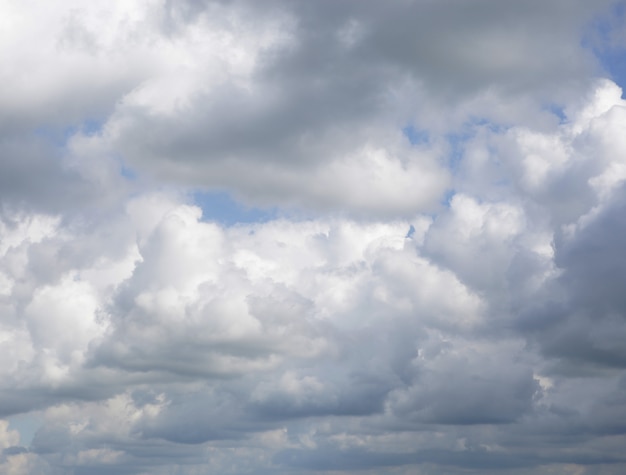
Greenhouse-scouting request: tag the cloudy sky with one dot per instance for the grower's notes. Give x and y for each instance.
(301, 237)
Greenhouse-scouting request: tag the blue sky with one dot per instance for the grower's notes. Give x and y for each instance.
(221, 207)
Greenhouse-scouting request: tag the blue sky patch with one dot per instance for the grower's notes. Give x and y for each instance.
(416, 136)
(608, 43)
(221, 207)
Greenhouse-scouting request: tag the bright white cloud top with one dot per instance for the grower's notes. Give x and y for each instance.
(298, 237)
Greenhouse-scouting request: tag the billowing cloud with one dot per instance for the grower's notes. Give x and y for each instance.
(432, 279)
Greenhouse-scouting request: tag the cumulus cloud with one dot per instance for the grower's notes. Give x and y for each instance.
(308, 99)
(438, 287)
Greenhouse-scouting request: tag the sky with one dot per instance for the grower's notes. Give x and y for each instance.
(312, 237)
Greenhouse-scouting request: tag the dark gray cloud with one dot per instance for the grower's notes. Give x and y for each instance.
(583, 320)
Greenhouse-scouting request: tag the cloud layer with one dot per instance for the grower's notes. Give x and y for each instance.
(435, 281)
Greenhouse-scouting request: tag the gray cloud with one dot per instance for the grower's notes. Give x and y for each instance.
(583, 321)
(331, 84)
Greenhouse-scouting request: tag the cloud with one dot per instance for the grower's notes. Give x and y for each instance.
(438, 285)
(465, 387)
(308, 99)
(583, 322)
(323, 102)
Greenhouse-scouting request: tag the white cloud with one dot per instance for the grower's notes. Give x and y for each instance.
(453, 305)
